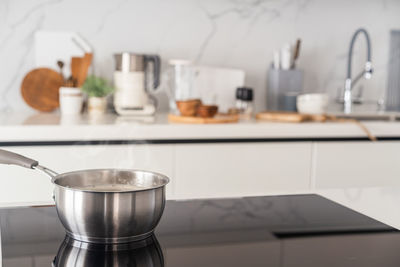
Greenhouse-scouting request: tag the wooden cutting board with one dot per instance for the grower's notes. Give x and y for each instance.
(280, 116)
(198, 120)
(40, 89)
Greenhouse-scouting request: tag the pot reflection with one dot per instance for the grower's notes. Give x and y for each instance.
(75, 253)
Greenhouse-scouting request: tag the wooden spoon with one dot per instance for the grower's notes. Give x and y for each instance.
(87, 61)
(76, 66)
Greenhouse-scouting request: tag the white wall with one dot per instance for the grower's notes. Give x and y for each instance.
(231, 33)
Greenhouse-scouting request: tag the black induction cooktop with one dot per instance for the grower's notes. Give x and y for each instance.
(284, 231)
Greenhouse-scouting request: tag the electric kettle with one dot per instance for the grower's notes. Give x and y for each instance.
(135, 76)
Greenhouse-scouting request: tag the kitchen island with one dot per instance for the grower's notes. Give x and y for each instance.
(264, 158)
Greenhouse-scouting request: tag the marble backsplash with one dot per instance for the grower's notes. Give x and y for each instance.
(227, 33)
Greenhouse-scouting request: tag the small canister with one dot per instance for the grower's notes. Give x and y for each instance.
(244, 101)
(71, 99)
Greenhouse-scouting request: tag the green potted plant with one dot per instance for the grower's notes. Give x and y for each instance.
(97, 89)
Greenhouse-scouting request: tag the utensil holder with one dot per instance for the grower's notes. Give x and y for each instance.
(282, 87)
(71, 100)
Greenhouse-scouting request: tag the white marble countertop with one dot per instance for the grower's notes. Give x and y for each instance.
(16, 127)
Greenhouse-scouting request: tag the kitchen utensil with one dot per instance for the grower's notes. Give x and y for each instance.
(80, 68)
(296, 53)
(135, 77)
(207, 111)
(70, 82)
(188, 107)
(312, 103)
(76, 68)
(71, 100)
(84, 69)
(40, 88)
(219, 118)
(143, 253)
(286, 57)
(103, 205)
(281, 82)
(60, 65)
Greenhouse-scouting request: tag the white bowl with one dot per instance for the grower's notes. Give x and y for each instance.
(312, 103)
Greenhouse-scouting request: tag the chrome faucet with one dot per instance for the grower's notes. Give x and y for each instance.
(367, 72)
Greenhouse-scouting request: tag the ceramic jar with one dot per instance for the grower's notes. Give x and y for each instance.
(71, 99)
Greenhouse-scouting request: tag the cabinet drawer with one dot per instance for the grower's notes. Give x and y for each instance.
(234, 170)
(357, 164)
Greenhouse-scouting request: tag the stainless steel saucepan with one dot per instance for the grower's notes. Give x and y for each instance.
(103, 205)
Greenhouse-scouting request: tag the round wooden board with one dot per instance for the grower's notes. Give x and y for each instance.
(198, 120)
(40, 89)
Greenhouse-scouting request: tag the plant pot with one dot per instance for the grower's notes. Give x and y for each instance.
(97, 105)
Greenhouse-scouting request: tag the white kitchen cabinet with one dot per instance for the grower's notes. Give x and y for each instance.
(214, 170)
(235, 170)
(345, 164)
(20, 186)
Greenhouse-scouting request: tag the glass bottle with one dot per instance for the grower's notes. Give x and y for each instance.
(244, 102)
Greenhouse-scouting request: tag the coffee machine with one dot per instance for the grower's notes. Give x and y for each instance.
(135, 76)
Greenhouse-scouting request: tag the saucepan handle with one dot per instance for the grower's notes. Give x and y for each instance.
(8, 157)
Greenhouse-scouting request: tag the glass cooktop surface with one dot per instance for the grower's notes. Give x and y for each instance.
(282, 231)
